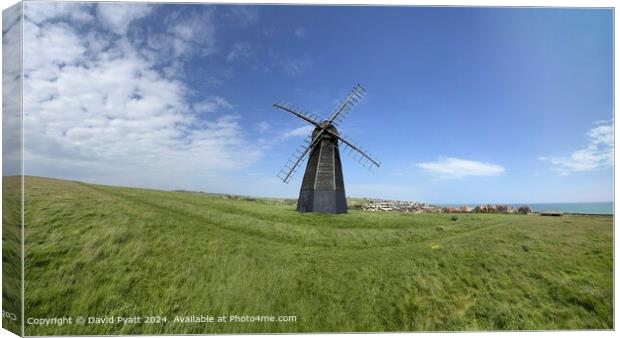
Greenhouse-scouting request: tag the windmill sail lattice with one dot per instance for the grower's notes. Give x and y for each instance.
(292, 165)
(322, 188)
(343, 109)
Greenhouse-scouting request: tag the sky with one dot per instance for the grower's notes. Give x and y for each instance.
(464, 105)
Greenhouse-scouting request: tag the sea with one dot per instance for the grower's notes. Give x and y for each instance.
(595, 208)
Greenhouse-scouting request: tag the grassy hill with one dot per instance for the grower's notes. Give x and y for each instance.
(95, 250)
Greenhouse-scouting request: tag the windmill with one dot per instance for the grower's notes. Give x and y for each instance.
(322, 188)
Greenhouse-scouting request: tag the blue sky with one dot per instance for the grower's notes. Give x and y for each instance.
(464, 105)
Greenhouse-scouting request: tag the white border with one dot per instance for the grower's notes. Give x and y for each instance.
(475, 3)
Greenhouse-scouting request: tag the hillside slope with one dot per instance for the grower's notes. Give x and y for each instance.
(95, 250)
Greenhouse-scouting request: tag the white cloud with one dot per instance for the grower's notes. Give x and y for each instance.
(598, 154)
(211, 105)
(37, 13)
(603, 134)
(185, 36)
(118, 16)
(112, 117)
(240, 51)
(11, 90)
(299, 132)
(194, 33)
(244, 16)
(300, 32)
(457, 168)
(296, 66)
(599, 122)
(263, 126)
(60, 43)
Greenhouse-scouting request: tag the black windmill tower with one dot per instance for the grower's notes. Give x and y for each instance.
(322, 188)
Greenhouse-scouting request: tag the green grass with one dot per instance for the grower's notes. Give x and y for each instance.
(110, 251)
(11, 253)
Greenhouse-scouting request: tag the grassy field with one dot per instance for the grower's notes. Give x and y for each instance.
(95, 250)
(11, 253)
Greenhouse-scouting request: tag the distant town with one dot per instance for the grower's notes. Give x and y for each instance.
(385, 205)
(370, 204)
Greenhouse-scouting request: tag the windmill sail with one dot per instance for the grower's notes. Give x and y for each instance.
(354, 97)
(306, 116)
(362, 156)
(290, 167)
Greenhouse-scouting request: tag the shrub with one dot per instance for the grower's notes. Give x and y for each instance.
(524, 209)
(502, 209)
(454, 218)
